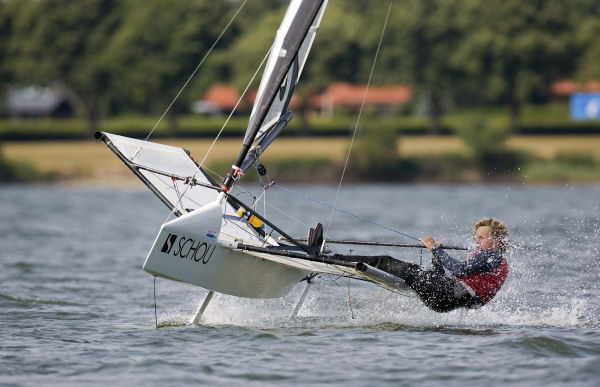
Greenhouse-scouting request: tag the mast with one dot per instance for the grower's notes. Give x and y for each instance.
(291, 37)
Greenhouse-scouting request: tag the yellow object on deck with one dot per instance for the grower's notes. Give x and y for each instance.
(253, 220)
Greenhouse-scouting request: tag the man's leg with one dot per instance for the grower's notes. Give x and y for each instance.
(435, 289)
(371, 260)
(405, 270)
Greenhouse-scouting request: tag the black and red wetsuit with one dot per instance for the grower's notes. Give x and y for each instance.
(451, 283)
(482, 274)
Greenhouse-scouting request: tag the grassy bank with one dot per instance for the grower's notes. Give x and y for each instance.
(437, 158)
(21, 170)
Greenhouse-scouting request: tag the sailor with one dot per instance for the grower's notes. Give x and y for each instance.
(452, 283)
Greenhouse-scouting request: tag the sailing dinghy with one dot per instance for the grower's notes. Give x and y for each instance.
(217, 241)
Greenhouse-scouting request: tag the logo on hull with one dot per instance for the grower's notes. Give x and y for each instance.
(168, 243)
(188, 248)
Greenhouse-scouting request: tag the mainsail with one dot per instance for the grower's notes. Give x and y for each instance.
(286, 61)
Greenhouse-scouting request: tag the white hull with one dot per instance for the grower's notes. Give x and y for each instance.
(193, 249)
(228, 271)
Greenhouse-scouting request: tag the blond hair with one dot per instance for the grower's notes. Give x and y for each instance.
(497, 229)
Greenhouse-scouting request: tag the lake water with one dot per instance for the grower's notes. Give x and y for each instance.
(77, 309)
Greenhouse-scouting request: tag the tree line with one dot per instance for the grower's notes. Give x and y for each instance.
(133, 56)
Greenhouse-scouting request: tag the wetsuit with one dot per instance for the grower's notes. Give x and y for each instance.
(482, 274)
(469, 284)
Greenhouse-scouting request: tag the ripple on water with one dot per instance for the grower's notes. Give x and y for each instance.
(27, 301)
(547, 346)
(265, 336)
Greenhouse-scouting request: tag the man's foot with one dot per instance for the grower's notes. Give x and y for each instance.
(315, 236)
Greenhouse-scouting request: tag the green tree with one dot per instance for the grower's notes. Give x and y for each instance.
(514, 49)
(159, 47)
(336, 54)
(375, 157)
(421, 37)
(487, 142)
(587, 28)
(337, 50)
(56, 41)
(250, 47)
(6, 18)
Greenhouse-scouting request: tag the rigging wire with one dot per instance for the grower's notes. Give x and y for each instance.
(176, 188)
(289, 215)
(309, 198)
(213, 172)
(155, 313)
(333, 208)
(235, 107)
(350, 301)
(196, 69)
(356, 127)
(179, 200)
(267, 204)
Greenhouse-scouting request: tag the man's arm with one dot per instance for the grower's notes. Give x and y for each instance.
(482, 262)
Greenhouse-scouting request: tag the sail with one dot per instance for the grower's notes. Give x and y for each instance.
(286, 60)
(286, 89)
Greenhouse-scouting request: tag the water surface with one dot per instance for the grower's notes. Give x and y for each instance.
(78, 309)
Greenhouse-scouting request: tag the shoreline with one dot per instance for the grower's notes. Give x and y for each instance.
(433, 159)
(133, 183)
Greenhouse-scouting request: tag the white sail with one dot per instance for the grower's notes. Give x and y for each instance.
(157, 164)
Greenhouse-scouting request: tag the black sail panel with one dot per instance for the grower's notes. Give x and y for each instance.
(293, 31)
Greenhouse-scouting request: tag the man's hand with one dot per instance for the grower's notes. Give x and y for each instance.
(429, 242)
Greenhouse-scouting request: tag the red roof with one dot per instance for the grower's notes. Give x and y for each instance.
(223, 96)
(348, 94)
(567, 87)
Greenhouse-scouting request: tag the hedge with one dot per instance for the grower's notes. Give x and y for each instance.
(549, 119)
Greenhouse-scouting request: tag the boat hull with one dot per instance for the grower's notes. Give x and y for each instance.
(226, 271)
(192, 249)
